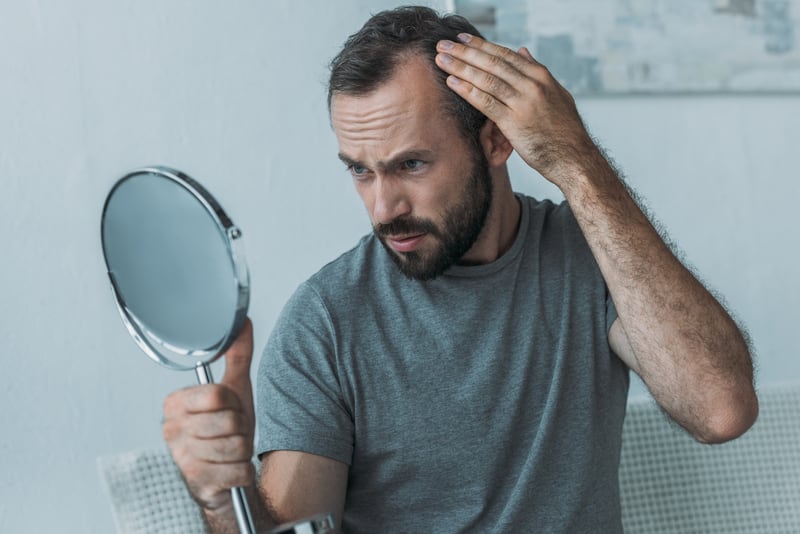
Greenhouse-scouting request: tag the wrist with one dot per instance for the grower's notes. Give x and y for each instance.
(221, 519)
(587, 175)
(563, 163)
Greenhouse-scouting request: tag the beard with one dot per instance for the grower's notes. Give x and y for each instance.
(462, 225)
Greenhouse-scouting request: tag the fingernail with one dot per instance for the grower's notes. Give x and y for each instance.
(446, 59)
(464, 37)
(452, 80)
(446, 45)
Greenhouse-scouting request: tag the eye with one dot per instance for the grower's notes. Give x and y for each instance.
(413, 164)
(357, 170)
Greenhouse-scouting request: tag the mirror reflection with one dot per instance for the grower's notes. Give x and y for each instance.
(172, 264)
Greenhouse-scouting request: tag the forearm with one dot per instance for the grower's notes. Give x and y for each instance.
(292, 486)
(683, 343)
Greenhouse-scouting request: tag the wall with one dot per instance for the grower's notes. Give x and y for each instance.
(233, 94)
(718, 173)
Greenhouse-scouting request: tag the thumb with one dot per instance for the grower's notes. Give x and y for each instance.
(237, 366)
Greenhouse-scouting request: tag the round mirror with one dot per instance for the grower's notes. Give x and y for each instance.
(178, 275)
(176, 266)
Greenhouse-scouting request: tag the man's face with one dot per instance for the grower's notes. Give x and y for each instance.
(427, 191)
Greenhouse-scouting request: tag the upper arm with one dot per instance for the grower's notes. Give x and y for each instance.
(298, 485)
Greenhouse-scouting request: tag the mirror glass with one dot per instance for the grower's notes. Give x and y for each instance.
(176, 266)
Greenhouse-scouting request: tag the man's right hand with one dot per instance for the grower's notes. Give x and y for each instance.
(209, 430)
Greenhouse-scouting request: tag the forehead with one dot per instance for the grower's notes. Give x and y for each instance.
(405, 112)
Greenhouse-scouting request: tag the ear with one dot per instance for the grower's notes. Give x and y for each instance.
(496, 147)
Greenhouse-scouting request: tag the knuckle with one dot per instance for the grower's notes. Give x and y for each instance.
(210, 484)
(171, 430)
(238, 447)
(233, 423)
(189, 466)
(245, 474)
(203, 494)
(506, 54)
(192, 471)
(536, 89)
(497, 59)
(544, 73)
(486, 100)
(210, 495)
(213, 397)
(492, 82)
(237, 474)
(173, 403)
(223, 425)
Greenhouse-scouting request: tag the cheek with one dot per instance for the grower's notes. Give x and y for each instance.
(442, 192)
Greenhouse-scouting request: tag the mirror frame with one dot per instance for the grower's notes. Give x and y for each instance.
(151, 344)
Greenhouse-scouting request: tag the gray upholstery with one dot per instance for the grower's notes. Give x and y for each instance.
(669, 482)
(148, 495)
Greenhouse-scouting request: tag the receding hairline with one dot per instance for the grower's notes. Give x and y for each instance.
(397, 59)
(402, 59)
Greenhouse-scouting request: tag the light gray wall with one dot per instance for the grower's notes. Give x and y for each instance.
(233, 94)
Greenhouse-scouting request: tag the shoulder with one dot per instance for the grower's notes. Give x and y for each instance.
(339, 284)
(555, 233)
(551, 222)
(354, 269)
(547, 212)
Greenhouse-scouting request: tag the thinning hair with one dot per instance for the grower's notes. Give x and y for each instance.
(371, 56)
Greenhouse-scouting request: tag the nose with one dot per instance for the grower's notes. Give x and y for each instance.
(390, 200)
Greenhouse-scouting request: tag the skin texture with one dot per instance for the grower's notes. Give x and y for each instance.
(408, 160)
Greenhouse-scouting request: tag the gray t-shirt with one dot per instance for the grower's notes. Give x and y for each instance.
(486, 400)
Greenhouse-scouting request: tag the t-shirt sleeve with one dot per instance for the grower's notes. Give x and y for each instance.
(611, 311)
(581, 246)
(299, 403)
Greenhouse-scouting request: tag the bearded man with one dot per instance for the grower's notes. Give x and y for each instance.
(465, 367)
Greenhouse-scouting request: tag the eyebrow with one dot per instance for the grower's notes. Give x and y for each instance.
(421, 154)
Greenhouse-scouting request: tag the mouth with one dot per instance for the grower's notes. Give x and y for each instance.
(405, 243)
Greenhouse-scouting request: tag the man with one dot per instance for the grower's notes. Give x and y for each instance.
(464, 368)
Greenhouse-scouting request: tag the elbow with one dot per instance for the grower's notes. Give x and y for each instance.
(729, 418)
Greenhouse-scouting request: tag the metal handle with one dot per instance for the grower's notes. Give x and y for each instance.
(243, 517)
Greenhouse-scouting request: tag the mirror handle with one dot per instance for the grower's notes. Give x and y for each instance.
(243, 517)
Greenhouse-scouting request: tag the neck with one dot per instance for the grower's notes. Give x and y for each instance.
(502, 223)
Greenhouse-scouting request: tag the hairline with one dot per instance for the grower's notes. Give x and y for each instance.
(446, 95)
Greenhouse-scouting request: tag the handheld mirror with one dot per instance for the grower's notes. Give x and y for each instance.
(178, 274)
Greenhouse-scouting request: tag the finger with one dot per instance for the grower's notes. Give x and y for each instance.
(238, 358)
(486, 53)
(487, 104)
(200, 399)
(207, 425)
(524, 52)
(493, 83)
(226, 450)
(498, 61)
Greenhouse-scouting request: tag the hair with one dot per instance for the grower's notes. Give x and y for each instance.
(371, 56)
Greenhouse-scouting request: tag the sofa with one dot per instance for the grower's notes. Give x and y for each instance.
(669, 483)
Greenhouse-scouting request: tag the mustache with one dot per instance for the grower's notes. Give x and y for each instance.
(406, 225)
